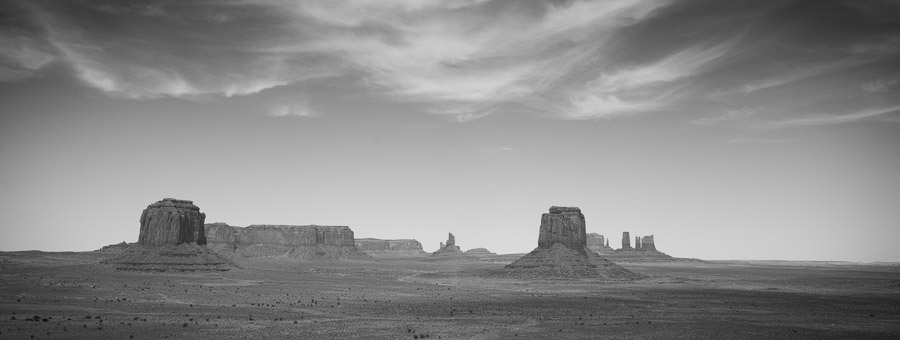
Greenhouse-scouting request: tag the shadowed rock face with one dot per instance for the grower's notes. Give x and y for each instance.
(172, 221)
(564, 225)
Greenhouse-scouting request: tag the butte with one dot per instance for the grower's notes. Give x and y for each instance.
(562, 251)
(171, 239)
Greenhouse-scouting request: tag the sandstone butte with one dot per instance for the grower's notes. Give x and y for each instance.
(562, 251)
(644, 250)
(449, 249)
(171, 238)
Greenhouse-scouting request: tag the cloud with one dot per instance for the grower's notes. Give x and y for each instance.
(829, 119)
(466, 59)
(756, 141)
(642, 88)
(300, 108)
(881, 85)
(730, 116)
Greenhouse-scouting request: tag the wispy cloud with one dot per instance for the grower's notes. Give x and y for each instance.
(829, 119)
(466, 59)
(643, 87)
(497, 149)
(881, 85)
(731, 116)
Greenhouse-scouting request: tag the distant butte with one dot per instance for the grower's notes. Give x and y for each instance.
(171, 238)
(390, 248)
(449, 249)
(562, 251)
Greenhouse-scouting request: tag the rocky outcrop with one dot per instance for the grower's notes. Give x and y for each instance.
(220, 237)
(390, 248)
(449, 249)
(644, 251)
(295, 241)
(171, 238)
(563, 225)
(172, 221)
(598, 243)
(115, 248)
(647, 243)
(626, 241)
(480, 252)
(562, 251)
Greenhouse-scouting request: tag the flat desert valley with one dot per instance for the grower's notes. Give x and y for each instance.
(46, 295)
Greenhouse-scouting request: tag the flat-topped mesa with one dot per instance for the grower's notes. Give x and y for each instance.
(172, 221)
(563, 225)
(647, 243)
(296, 235)
(626, 241)
(390, 248)
(296, 241)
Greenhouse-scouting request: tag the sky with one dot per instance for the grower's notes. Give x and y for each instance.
(755, 130)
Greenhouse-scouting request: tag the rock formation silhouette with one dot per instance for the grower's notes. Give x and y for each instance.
(171, 238)
(449, 249)
(172, 221)
(626, 241)
(562, 251)
(644, 251)
(647, 243)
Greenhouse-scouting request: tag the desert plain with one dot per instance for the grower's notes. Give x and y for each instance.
(70, 295)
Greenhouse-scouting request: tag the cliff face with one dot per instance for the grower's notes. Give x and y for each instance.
(564, 225)
(172, 221)
(310, 241)
(290, 235)
(390, 248)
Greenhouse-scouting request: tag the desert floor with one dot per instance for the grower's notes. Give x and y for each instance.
(69, 295)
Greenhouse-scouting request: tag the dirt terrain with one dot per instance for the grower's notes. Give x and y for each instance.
(71, 296)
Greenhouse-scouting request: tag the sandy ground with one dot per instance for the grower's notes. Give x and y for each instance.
(70, 296)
